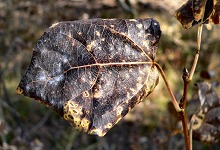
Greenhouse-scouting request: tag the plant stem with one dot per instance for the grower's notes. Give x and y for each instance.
(199, 34)
(187, 77)
(175, 103)
(179, 108)
(186, 82)
(185, 129)
(183, 106)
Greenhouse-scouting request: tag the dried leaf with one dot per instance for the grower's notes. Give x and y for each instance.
(206, 127)
(199, 11)
(93, 72)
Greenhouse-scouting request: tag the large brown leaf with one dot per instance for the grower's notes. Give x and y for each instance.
(93, 72)
(206, 127)
(199, 11)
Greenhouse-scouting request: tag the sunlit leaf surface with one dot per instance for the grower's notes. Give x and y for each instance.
(199, 11)
(93, 72)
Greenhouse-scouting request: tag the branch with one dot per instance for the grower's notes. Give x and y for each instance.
(182, 105)
(187, 77)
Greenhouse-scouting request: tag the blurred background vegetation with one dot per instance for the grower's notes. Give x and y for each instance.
(152, 125)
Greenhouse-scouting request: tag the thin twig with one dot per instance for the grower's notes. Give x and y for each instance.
(183, 106)
(180, 109)
(175, 103)
(199, 35)
(186, 81)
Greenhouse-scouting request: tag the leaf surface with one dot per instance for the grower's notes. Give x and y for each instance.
(206, 127)
(93, 72)
(199, 11)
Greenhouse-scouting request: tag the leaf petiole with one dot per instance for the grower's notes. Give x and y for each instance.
(199, 35)
(175, 103)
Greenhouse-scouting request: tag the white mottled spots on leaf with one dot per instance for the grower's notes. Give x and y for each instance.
(99, 86)
(128, 95)
(127, 48)
(69, 35)
(27, 88)
(99, 47)
(133, 90)
(41, 76)
(139, 86)
(130, 70)
(141, 72)
(127, 76)
(112, 26)
(139, 26)
(89, 46)
(65, 60)
(83, 79)
(97, 33)
(55, 80)
(73, 43)
(139, 79)
(145, 43)
(205, 109)
(109, 125)
(119, 111)
(85, 94)
(143, 54)
(92, 82)
(58, 68)
(98, 94)
(129, 35)
(139, 34)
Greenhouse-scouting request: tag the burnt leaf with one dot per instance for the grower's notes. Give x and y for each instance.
(206, 127)
(198, 11)
(93, 72)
